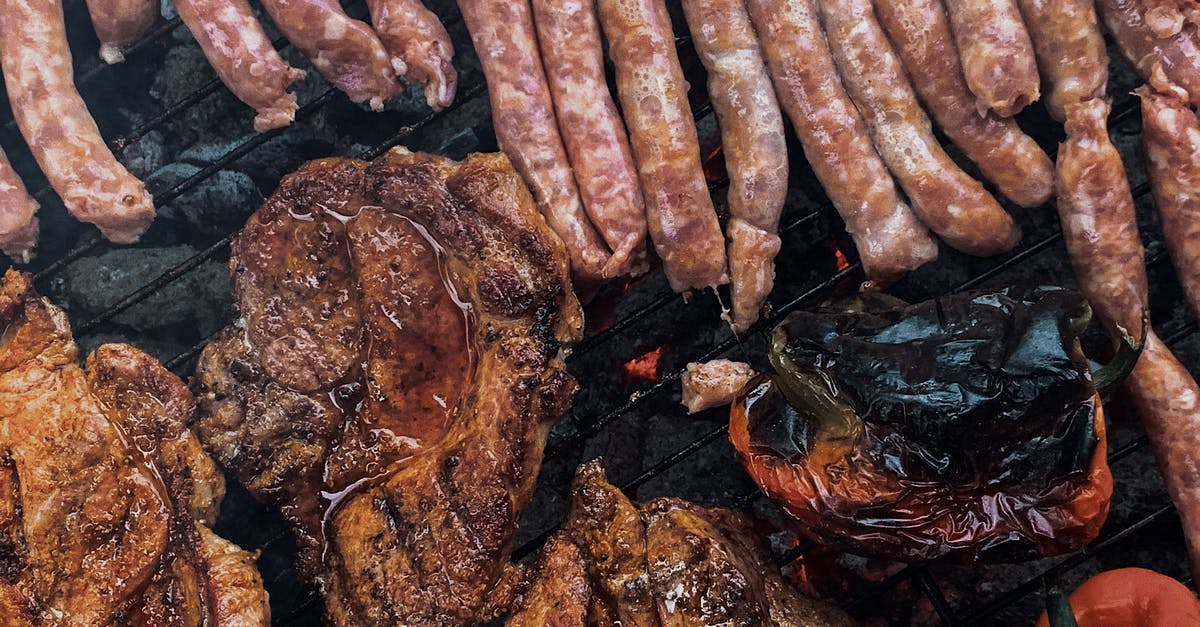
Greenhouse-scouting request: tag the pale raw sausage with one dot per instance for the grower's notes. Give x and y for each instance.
(753, 143)
(420, 47)
(56, 124)
(890, 239)
(18, 215)
(523, 116)
(997, 55)
(598, 147)
(238, 49)
(948, 201)
(679, 211)
(1070, 51)
(119, 23)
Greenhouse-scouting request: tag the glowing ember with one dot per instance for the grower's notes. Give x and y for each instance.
(645, 366)
(840, 258)
(714, 165)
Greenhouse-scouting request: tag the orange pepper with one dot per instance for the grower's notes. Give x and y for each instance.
(1132, 597)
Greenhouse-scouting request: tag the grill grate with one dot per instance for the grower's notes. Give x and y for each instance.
(807, 274)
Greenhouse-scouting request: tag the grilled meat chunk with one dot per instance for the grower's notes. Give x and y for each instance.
(105, 496)
(663, 562)
(392, 379)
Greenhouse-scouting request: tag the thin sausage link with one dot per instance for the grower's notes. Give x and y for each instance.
(420, 47)
(594, 134)
(754, 146)
(948, 201)
(1178, 55)
(1004, 153)
(56, 124)
(18, 215)
(890, 239)
(344, 50)
(1166, 18)
(119, 23)
(680, 213)
(1171, 137)
(997, 55)
(523, 116)
(1070, 50)
(238, 49)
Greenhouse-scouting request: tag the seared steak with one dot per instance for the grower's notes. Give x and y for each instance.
(105, 496)
(392, 378)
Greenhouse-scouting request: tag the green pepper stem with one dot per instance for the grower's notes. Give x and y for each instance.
(1128, 351)
(1058, 609)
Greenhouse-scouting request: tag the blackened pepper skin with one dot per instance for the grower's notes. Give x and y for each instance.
(967, 425)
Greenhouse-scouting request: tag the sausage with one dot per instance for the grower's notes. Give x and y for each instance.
(596, 142)
(345, 51)
(680, 213)
(754, 146)
(1165, 18)
(997, 55)
(1006, 156)
(1070, 50)
(1099, 224)
(890, 239)
(713, 383)
(1178, 56)
(1167, 400)
(1171, 138)
(119, 24)
(62, 135)
(526, 129)
(242, 55)
(420, 47)
(947, 200)
(18, 215)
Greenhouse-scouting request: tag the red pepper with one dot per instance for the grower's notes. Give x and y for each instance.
(1131, 597)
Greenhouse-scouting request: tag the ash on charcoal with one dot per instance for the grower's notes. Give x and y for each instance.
(216, 206)
(199, 299)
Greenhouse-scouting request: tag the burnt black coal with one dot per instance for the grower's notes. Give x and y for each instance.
(176, 127)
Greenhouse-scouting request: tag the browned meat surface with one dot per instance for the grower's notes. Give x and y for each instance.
(713, 383)
(391, 381)
(557, 589)
(105, 496)
(665, 562)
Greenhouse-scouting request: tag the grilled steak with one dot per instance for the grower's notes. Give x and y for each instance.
(662, 562)
(105, 496)
(393, 376)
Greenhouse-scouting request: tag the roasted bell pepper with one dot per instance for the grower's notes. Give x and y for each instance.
(967, 425)
(1127, 597)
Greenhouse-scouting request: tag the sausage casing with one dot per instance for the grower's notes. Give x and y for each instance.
(1008, 157)
(119, 23)
(1166, 18)
(420, 47)
(1178, 55)
(1070, 50)
(1171, 138)
(56, 124)
(18, 215)
(523, 115)
(238, 49)
(344, 50)
(679, 211)
(753, 143)
(948, 201)
(890, 239)
(595, 138)
(997, 55)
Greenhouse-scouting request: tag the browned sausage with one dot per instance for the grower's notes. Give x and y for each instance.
(1004, 153)
(1070, 50)
(1166, 18)
(890, 239)
(1171, 137)
(18, 215)
(242, 55)
(997, 55)
(526, 129)
(948, 201)
(682, 220)
(119, 23)
(1100, 229)
(1178, 55)
(420, 47)
(1168, 402)
(56, 124)
(345, 51)
(594, 134)
(753, 143)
